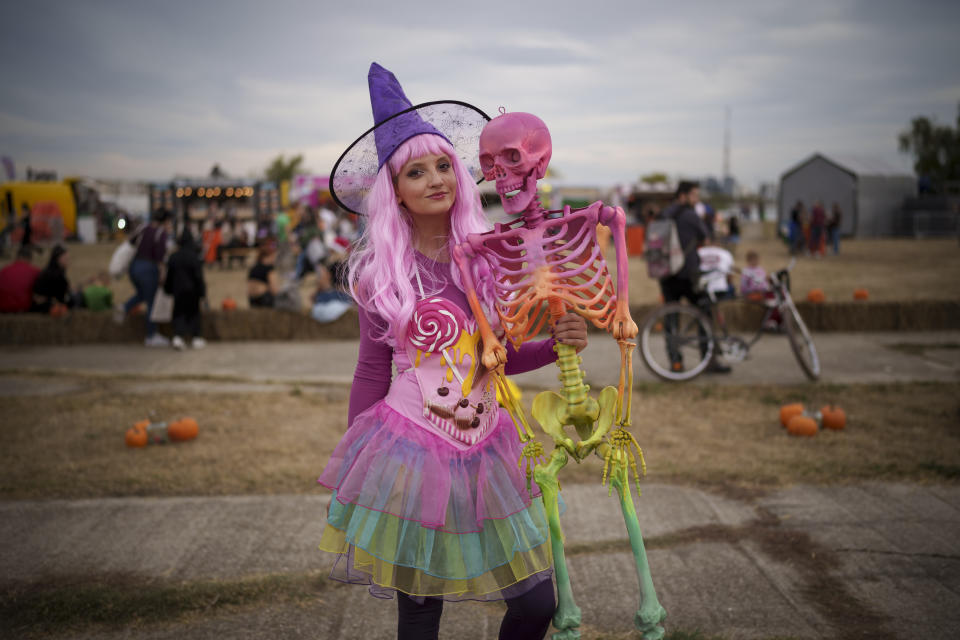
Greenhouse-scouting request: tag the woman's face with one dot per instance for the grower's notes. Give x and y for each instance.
(427, 185)
(62, 260)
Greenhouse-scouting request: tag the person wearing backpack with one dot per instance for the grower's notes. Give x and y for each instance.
(683, 282)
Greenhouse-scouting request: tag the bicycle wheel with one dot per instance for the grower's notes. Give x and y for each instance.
(800, 341)
(676, 342)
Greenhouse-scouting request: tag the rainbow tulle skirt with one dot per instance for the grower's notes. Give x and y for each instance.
(412, 513)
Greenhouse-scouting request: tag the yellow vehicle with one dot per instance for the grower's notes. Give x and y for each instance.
(53, 206)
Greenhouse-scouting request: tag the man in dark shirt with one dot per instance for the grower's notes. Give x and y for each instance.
(691, 232)
(684, 284)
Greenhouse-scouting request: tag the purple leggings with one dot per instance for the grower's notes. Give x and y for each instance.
(527, 618)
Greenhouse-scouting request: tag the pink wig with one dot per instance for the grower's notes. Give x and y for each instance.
(382, 264)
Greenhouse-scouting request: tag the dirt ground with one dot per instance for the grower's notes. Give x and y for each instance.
(72, 445)
(891, 269)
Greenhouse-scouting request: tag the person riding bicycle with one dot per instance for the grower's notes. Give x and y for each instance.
(692, 234)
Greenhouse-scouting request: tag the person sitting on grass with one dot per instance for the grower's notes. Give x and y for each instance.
(329, 303)
(263, 284)
(97, 295)
(51, 286)
(16, 283)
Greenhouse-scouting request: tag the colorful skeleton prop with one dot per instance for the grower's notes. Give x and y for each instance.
(545, 264)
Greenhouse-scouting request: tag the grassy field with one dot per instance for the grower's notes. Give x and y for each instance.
(278, 442)
(890, 269)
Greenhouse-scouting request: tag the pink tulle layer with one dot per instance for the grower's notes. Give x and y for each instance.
(387, 463)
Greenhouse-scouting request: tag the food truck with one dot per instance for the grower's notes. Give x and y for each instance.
(54, 205)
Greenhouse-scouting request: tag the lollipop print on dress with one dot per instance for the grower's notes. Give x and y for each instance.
(436, 325)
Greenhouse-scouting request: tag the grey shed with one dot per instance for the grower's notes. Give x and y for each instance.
(871, 193)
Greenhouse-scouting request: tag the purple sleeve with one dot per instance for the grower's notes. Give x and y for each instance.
(159, 246)
(532, 355)
(371, 379)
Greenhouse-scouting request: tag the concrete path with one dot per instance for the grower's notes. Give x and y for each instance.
(846, 358)
(874, 560)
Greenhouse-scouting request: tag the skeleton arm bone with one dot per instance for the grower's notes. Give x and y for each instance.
(623, 324)
(494, 353)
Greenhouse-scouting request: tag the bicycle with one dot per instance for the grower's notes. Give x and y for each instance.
(679, 341)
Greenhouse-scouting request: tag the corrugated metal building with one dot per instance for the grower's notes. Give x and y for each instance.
(870, 193)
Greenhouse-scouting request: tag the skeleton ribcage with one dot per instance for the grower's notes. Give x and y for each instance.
(558, 261)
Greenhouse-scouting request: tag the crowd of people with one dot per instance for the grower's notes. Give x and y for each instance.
(810, 231)
(167, 271)
(25, 287)
(709, 272)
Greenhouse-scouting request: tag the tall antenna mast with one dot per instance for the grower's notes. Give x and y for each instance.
(726, 146)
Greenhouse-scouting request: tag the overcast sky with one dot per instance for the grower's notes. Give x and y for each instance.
(147, 90)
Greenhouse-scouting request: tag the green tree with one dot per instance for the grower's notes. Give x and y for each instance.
(935, 149)
(282, 169)
(654, 178)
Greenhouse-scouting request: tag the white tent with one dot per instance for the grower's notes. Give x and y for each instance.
(870, 193)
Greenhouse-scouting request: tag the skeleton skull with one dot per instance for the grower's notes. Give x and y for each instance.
(515, 150)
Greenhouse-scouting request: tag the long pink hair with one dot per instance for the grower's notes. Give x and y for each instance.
(382, 263)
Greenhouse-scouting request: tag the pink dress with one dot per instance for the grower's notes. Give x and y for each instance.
(427, 495)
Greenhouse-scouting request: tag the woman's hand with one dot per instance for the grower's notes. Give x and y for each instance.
(571, 330)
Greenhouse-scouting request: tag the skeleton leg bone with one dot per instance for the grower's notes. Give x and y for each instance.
(566, 619)
(626, 369)
(650, 614)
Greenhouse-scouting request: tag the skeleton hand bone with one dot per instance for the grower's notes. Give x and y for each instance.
(494, 354)
(620, 456)
(624, 328)
(533, 455)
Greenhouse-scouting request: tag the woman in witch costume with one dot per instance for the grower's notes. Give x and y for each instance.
(428, 501)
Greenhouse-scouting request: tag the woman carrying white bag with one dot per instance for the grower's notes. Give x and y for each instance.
(148, 256)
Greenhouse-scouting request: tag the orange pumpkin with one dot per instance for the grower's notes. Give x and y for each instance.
(832, 417)
(137, 435)
(183, 429)
(58, 310)
(816, 296)
(228, 304)
(802, 426)
(861, 294)
(787, 411)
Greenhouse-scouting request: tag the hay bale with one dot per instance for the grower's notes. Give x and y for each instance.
(921, 315)
(79, 326)
(83, 326)
(273, 324)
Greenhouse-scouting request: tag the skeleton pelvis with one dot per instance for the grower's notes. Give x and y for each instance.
(554, 412)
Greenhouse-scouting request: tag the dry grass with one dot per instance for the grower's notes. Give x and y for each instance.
(722, 436)
(73, 446)
(278, 442)
(891, 269)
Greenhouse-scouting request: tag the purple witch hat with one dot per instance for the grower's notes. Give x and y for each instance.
(397, 121)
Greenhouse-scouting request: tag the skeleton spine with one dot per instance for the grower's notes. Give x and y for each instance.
(571, 376)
